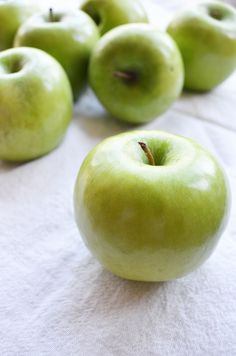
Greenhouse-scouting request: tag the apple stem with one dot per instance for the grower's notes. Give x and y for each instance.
(148, 153)
(51, 15)
(128, 76)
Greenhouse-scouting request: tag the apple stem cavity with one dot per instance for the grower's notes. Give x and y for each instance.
(215, 14)
(148, 153)
(129, 77)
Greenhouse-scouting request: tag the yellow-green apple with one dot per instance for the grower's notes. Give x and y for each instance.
(150, 205)
(136, 72)
(12, 14)
(206, 36)
(35, 103)
(112, 13)
(69, 36)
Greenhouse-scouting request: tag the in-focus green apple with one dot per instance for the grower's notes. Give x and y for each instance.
(112, 13)
(35, 103)
(69, 36)
(150, 205)
(12, 14)
(136, 72)
(206, 36)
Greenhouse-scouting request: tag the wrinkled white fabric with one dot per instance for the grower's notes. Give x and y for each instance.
(56, 299)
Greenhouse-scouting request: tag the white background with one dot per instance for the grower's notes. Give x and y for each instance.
(55, 299)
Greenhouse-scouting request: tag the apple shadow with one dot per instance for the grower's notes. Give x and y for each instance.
(91, 117)
(6, 167)
(192, 92)
(107, 293)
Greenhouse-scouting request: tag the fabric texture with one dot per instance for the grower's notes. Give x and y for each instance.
(56, 299)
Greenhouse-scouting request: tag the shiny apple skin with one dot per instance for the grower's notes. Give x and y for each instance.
(113, 13)
(35, 104)
(151, 223)
(207, 45)
(154, 59)
(12, 14)
(69, 39)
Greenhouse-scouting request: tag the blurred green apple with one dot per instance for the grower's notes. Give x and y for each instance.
(69, 36)
(151, 206)
(206, 36)
(12, 14)
(112, 13)
(35, 103)
(136, 72)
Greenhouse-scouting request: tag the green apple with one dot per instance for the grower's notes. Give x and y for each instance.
(69, 36)
(35, 103)
(206, 36)
(150, 205)
(136, 72)
(12, 14)
(112, 13)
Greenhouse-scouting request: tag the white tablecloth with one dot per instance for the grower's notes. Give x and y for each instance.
(56, 299)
